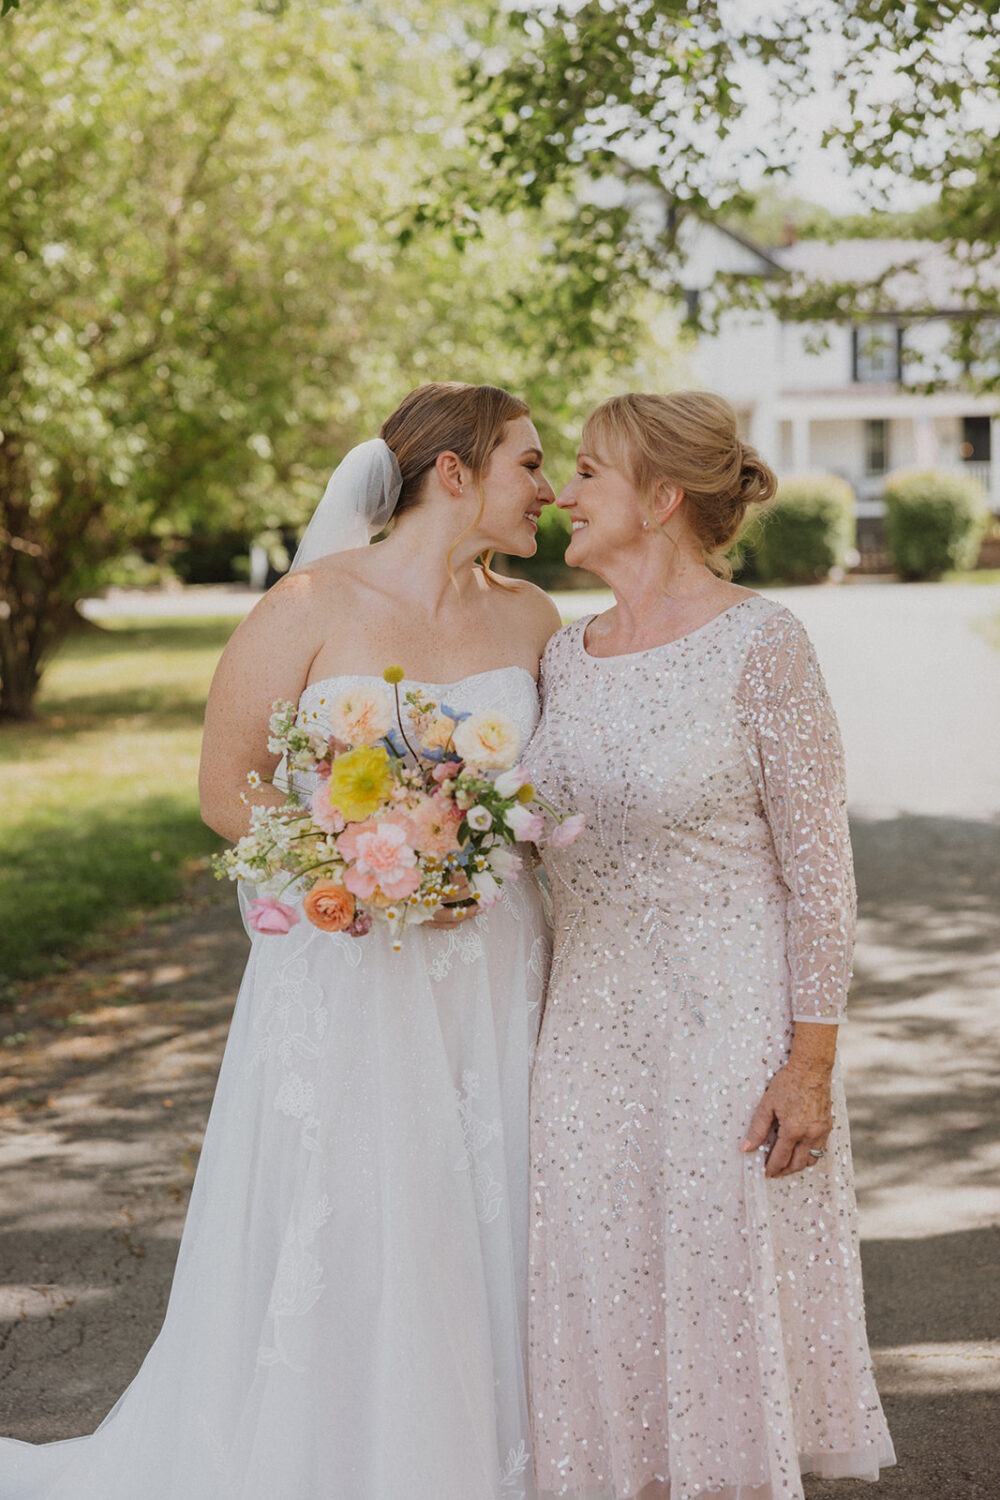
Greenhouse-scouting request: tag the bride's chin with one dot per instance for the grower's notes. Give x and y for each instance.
(520, 547)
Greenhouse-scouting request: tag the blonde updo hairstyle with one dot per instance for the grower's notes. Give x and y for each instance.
(448, 416)
(689, 439)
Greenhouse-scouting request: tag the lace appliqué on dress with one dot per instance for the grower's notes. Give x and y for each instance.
(477, 1135)
(298, 1282)
(512, 1475)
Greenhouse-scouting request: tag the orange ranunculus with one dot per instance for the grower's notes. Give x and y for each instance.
(329, 906)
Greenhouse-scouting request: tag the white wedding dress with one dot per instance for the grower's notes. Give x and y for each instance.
(347, 1318)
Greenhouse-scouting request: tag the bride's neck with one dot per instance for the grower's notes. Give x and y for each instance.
(423, 564)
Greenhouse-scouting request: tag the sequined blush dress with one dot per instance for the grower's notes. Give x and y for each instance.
(693, 1327)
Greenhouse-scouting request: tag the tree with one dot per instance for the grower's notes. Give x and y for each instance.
(205, 298)
(655, 93)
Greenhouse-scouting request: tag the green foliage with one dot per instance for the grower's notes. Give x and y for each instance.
(772, 213)
(657, 96)
(805, 532)
(112, 824)
(547, 567)
(205, 300)
(935, 520)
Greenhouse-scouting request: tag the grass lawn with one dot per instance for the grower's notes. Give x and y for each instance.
(99, 795)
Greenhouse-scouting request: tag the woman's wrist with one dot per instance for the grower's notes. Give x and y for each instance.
(814, 1049)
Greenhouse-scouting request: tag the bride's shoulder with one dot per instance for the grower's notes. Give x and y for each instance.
(329, 584)
(527, 606)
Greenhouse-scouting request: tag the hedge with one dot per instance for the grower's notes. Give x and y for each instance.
(935, 520)
(806, 531)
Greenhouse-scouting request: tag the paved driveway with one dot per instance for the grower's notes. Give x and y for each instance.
(103, 1120)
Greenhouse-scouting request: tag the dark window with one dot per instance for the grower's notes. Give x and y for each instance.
(975, 447)
(876, 447)
(877, 353)
(692, 303)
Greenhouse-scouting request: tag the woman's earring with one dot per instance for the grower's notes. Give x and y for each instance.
(645, 525)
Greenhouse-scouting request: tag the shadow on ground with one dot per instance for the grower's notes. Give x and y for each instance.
(105, 1121)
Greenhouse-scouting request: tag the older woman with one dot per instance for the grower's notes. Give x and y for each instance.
(697, 1316)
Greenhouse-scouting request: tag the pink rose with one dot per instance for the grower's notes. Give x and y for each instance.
(435, 823)
(268, 914)
(446, 770)
(382, 857)
(329, 818)
(565, 832)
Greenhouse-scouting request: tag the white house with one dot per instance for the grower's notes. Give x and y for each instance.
(841, 396)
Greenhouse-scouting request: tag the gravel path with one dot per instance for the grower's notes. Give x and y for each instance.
(106, 1094)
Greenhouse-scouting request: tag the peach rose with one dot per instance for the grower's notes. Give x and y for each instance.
(489, 741)
(329, 906)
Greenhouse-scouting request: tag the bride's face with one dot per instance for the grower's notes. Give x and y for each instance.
(515, 489)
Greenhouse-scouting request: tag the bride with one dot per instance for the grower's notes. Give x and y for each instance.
(348, 1310)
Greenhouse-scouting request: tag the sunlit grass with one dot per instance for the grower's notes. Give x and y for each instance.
(100, 808)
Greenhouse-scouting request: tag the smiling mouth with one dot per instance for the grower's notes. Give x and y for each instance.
(579, 526)
(532, 516)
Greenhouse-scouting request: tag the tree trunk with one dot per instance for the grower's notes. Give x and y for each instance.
(35, 612)
(28, 636)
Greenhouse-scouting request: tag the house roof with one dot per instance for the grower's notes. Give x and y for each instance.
(925, 276)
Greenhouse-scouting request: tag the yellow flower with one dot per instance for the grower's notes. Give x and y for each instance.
(360, 782)
(393, 674)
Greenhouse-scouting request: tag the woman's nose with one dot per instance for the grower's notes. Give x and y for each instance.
(546, 493)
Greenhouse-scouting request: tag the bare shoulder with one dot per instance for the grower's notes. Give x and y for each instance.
(534, 606)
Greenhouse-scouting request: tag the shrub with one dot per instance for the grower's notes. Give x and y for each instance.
(934, 521)
(547, 567)
(806, 531)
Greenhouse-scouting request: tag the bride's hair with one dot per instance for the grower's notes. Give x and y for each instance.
(448, 416)
(688, 438)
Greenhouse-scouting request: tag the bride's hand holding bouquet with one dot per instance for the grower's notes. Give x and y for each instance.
(388, 818)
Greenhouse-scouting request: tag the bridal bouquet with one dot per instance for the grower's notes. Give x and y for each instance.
(401, 819)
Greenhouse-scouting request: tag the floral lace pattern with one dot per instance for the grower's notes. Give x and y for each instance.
(477, 1135)
(298, 1283)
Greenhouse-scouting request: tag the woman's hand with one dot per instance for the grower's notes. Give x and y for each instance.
(452, 913)
(796, 1104)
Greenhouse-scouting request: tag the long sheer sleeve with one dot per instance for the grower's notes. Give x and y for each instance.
(794, 744)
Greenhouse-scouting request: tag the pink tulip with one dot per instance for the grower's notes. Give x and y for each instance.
(268, 914)
(566, 832)
(524, 824)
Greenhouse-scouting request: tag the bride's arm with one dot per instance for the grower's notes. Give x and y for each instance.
(267, 657)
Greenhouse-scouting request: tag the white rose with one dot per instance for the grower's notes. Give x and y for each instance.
(479, 818)
(362, 715)
(488, 741)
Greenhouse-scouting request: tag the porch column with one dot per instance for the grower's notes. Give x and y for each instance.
(800, 443)
(994, 490)
(926, 447)
(764, 432)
